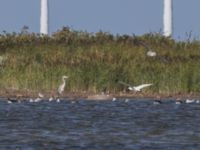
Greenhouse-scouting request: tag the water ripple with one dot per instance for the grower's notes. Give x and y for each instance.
(137, 124)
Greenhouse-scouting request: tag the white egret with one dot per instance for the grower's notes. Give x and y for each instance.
(188, 101)
(39, 98)
(40, 95)
(50, 99)
(58, 100)
(31, 100)
(114, 99)
(9, 102)
(62, 86)
(135, 88)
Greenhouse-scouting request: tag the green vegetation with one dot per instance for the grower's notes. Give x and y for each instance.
(95, 62)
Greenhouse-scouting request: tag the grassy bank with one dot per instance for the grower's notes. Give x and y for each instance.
(95, 62)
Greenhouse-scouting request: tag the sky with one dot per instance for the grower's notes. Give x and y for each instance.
(114, 16)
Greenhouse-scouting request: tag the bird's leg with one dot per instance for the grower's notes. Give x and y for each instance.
(140, 93)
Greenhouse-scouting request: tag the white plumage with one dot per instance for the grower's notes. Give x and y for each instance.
(151, 53)
(40, 95)
(135, 88)
(62, 86)
(188, 101)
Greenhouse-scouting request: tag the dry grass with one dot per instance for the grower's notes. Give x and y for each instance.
(95, 62)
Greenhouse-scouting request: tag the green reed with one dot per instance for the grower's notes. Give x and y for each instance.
(96, 62)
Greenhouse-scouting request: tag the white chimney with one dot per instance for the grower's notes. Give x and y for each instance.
(167, 18)
(44, 17)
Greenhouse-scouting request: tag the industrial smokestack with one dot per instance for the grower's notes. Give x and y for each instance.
(44, 17)
(167, 18)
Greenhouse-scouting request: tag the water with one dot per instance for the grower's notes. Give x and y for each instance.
(136, 124)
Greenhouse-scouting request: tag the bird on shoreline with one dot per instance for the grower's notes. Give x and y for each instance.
(39, 98)
(179, 102)
(40, 95)
(157, 102)
(135, 88)
(62, 86)
(51, 98)
(10, 100)
(188, 101)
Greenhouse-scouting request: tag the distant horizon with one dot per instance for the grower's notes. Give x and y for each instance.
(188, 35)
(137, 17)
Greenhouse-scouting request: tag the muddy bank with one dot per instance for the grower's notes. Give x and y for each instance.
(22, 94)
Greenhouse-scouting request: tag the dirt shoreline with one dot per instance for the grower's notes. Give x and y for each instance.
(21, 94)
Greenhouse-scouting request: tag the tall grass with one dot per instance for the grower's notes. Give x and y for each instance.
(96, 62)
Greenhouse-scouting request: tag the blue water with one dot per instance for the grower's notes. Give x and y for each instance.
(83, 124)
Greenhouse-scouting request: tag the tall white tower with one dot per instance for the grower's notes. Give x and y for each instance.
(44, 17)
(167, 18)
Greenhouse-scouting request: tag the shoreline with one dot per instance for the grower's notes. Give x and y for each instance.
(22, 94)
(98, 62)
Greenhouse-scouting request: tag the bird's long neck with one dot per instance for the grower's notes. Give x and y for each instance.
(63, 81)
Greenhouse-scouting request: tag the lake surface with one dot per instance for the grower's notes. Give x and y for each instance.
(82, 124)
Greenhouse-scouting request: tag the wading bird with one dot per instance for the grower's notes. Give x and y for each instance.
(40, 95)
(62, 86)
(135, 88)
(39, 98)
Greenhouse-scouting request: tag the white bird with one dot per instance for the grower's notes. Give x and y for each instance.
(40, 95)
(72, 102)
(151, 53)
(58, 100)
(31, 100)
(188, 101)
(62, 86)
(157, 102)
(37, 99)
(135, 88)
(9, 102)
(13, 101)
(50, 99)
(178, 102)
(126, 100)
(114, 99)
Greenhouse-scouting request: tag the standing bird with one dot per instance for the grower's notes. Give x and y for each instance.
(135, 88)
(62, 86)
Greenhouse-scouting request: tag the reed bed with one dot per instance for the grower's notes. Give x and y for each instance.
(95, 62)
